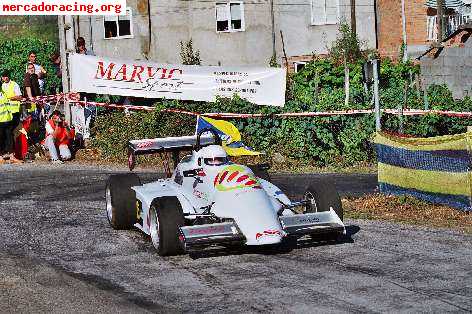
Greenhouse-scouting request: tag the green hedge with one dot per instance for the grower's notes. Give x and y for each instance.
(14, 57)
(319, 141)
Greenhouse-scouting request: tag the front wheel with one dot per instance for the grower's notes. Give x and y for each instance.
(166, 219)
(321, 196)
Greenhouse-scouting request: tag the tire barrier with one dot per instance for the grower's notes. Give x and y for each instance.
(436, 169)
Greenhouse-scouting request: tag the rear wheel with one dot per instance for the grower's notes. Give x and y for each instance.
(121, 200)
(166, 219)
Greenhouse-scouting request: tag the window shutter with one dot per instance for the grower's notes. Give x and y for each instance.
(318, 14)
(331, 11)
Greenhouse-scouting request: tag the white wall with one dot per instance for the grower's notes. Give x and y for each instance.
(177, 20)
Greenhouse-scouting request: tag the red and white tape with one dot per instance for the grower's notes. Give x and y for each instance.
(406, 112)
(74, 98)
(54, 98)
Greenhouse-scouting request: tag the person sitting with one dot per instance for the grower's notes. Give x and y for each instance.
(58, 137)
(21, 138)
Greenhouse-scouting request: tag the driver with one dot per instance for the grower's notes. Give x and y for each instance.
(212, 155)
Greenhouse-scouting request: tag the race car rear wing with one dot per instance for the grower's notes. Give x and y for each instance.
(162, 145)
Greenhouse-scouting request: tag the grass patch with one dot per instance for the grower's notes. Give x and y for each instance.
(408, 210)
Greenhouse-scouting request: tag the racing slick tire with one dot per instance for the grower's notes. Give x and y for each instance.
(121, 200)
(166, 219)
(323, 195)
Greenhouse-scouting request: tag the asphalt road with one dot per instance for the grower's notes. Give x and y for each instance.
(58, 254)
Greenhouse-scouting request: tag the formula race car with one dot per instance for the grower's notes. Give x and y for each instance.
(208, 200)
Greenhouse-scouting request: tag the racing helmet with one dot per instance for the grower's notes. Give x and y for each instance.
(212, 155)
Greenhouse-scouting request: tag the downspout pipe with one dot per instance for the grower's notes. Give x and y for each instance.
(405, 46)
(149, 27)
(272, 21)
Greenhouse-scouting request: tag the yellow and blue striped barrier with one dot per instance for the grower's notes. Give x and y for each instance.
(436, 169)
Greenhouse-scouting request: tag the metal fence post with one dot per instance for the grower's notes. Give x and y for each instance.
(376, 95)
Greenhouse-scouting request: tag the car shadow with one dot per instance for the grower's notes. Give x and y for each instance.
(285, 247)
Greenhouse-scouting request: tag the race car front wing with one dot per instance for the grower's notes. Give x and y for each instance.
(293, 225)
(312, 223)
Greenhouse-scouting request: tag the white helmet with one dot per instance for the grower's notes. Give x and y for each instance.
(212, 155)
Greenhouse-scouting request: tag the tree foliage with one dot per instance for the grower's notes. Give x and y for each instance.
(188, 54)
(347, 47)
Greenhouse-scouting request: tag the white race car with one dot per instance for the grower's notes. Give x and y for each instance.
(208, 200)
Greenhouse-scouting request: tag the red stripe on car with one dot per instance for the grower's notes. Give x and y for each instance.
(242, 178)
(223, 175)
(232, 176)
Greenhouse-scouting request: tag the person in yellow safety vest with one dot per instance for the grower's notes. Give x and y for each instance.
(6, 138)
(11, 90)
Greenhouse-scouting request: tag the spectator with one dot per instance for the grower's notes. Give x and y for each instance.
(38, 69)
(58, 136)
(12, 92)
(30, 90)
(80, 47)
(89, 110)
(56, 64)
(31, 83)
(6, 138)
(21, 137)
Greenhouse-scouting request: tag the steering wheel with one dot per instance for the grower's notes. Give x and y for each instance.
(216, 137)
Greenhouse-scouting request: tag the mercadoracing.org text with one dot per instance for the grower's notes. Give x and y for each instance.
(62, 7)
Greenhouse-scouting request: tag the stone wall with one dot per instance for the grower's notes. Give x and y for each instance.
(453, 67)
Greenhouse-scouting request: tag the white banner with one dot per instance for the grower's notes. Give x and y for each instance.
(259, 85)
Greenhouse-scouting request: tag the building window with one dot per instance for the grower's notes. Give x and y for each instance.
(324, 12)
(117, 27)
(298, 66)
(229, 16)
(431, 28)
